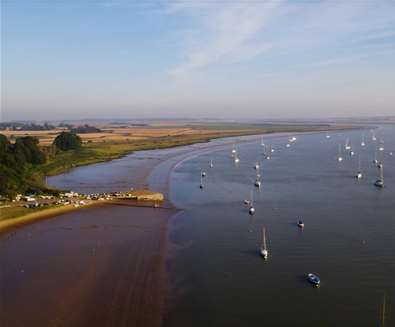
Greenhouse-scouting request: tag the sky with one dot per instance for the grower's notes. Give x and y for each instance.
(224, 59)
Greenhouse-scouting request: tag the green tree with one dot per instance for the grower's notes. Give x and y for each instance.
(67, 141)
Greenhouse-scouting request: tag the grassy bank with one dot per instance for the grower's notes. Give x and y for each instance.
(99, 152)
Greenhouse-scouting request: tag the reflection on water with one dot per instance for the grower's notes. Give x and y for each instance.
(348, 240)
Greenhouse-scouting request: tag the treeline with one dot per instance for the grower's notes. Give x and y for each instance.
(19, 160)
(14, 126)
(86, 129)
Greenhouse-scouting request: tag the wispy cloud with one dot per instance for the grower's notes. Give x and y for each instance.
(228, 32)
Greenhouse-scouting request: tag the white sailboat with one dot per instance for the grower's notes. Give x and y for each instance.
(359, 173)
(251, 209)
(234, 151)
(339, 157)
(347, 146)
(380, 181)
(381, 147)
(269, 153)
(373, 136)
(257, 182)
(375, 161)
(211, 163)
(264, 251)
(201, 181)
(262, 143)
(363, 140)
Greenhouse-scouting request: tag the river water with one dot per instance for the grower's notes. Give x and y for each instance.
(217, 274)
(217, 277)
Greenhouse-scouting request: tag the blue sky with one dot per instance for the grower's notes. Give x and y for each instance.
(229, 59)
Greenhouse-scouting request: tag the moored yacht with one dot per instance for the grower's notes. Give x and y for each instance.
(380, 181)
(251, 209)
(264, 251)
(339, 157)
(359, 173)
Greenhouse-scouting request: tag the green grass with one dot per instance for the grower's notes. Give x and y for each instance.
(98, 152)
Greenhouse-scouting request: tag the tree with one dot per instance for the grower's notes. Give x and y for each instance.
(67, 141)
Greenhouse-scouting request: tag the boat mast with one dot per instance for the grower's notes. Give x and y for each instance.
(264, 247)
(359, 163)
(381, 173)
(383, 312)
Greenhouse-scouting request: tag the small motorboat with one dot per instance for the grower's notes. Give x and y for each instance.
(251, 210)
(300, 224)
(247, 202)
(257, 183)
(352, 153)
(314, 279)
(256, 167)
(237, 160)
(358, 175)
(203, 174)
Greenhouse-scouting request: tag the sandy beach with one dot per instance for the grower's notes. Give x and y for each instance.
(95, 267)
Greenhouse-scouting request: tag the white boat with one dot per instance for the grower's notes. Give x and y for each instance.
(347, 146)
(257, 183)
(352, 153)
(237, 160)
(211, 164)
(256, 167)
(288, 145)
(363, 140)
(203, 174)
(201, 182)
(234, 151)
(251, 209)
(380, 181)
(359, 173)
(300, 224)
(328, 136)
(262, 143)
(339, 157)
(264, 251)
(375, 161)
(373, 136)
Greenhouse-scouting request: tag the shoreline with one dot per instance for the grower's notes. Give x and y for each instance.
(204, 139)
(160, 253)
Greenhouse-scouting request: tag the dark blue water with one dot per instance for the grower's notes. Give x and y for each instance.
(217, 275)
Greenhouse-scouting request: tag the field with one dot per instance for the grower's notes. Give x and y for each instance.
(115, 141)
(125, 134)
